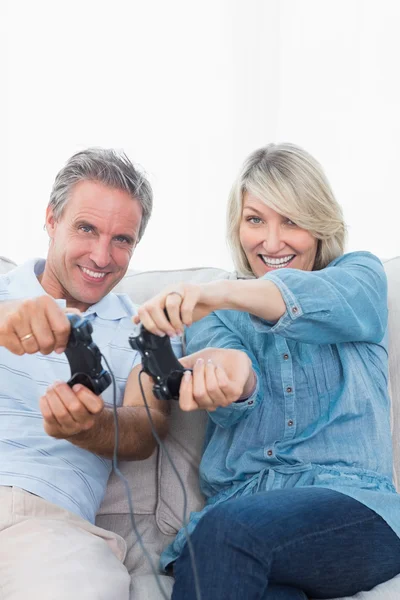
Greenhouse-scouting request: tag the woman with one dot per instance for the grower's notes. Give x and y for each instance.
(297, 466)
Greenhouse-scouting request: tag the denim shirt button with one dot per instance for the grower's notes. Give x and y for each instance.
(270, 453)
(294, 309)
(250, 402)
(290, 423)
(285, 356)
(289, 390)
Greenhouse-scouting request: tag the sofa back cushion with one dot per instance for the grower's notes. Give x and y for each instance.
(184, 442)
(155, 486)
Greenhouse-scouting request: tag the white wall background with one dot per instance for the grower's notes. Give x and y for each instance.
(188, 89)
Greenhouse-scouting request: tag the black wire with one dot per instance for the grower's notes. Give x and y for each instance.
(184, 520)
(126, 484)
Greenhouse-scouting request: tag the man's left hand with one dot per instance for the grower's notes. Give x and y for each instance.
(68, 412)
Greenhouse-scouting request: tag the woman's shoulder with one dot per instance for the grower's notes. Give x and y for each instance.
(360, 257)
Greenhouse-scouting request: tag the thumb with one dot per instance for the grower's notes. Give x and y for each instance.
(188, 361)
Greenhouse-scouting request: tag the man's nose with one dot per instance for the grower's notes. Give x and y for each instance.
(101, 254)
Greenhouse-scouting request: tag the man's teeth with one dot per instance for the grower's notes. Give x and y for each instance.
(93, 273)
(277, 263)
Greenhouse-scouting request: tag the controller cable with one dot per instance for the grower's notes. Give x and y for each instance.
(128, 491)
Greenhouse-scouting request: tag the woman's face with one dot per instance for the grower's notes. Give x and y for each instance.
(272, 241)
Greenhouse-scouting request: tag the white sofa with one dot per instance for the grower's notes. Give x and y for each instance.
(156, 493)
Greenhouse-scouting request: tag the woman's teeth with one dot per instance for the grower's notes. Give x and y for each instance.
(277, 263)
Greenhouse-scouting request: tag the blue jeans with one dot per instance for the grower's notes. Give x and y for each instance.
(289, 544)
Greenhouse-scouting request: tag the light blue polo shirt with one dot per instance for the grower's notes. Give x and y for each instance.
(56, 470)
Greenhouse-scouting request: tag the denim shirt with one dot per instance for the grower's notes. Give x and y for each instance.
(320, 413)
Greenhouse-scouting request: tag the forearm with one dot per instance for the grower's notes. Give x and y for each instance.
(258, 297)
(136, 441)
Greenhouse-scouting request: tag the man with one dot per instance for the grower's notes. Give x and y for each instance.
(55, 441)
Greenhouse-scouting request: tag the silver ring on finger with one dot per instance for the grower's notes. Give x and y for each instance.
(178, 293)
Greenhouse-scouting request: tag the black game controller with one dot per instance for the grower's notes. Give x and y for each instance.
(84, 357)
(159, 362)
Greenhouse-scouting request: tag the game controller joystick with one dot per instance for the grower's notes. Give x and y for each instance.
(84, 357)
(159, 362)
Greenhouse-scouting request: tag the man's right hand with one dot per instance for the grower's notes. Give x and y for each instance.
(34, 325)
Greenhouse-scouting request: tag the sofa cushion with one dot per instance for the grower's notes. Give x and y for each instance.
(6, 264)
(184, 442)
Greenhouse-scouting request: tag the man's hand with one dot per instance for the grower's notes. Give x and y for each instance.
(34, 325)
(220, 377)
(67, 412)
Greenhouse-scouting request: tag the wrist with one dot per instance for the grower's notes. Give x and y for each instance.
(249, 387)
(215, 294)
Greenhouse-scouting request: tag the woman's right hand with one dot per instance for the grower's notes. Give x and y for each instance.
(178, 305)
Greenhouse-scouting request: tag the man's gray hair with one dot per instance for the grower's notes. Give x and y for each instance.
(107, 166)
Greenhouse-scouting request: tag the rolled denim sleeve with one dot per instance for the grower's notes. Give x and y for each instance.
(345, 302)
(211, 332)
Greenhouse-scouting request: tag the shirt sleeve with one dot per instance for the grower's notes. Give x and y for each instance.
(3, 289)
(345, 302)
(211, 332)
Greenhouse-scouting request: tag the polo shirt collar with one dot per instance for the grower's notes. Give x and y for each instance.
(24, 283)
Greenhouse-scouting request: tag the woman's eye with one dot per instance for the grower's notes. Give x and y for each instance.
(291, 223)
(254, 220)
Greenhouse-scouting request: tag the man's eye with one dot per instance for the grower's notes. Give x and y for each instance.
(86, 228)
(121, 238)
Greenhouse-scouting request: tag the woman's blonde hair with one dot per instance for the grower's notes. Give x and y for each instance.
(291, 182)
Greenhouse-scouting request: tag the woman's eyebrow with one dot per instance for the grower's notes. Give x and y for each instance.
(249, 207)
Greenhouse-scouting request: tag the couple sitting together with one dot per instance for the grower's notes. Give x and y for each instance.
(290, 362)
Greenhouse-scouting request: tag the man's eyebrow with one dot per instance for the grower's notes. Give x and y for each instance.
(85, 223)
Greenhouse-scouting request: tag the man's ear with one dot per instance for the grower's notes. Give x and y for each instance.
(51, 222)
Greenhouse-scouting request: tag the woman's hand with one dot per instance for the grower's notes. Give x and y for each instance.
(220, 377)
(184, 303)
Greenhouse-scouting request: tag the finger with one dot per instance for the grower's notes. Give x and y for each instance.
(93, 404)
(153, 319)
(186, 400)
(21, 328)
(173, 302)
(73, 404)
(70, 310)
(188, 305)
(46, 411)
(42, 332)
(212, 384)
(59, 411)
(199, 386)
(59, 325)
(230, 389)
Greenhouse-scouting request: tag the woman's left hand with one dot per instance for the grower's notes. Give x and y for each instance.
(219, 377)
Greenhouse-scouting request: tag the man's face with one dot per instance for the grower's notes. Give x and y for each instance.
(91, 244)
